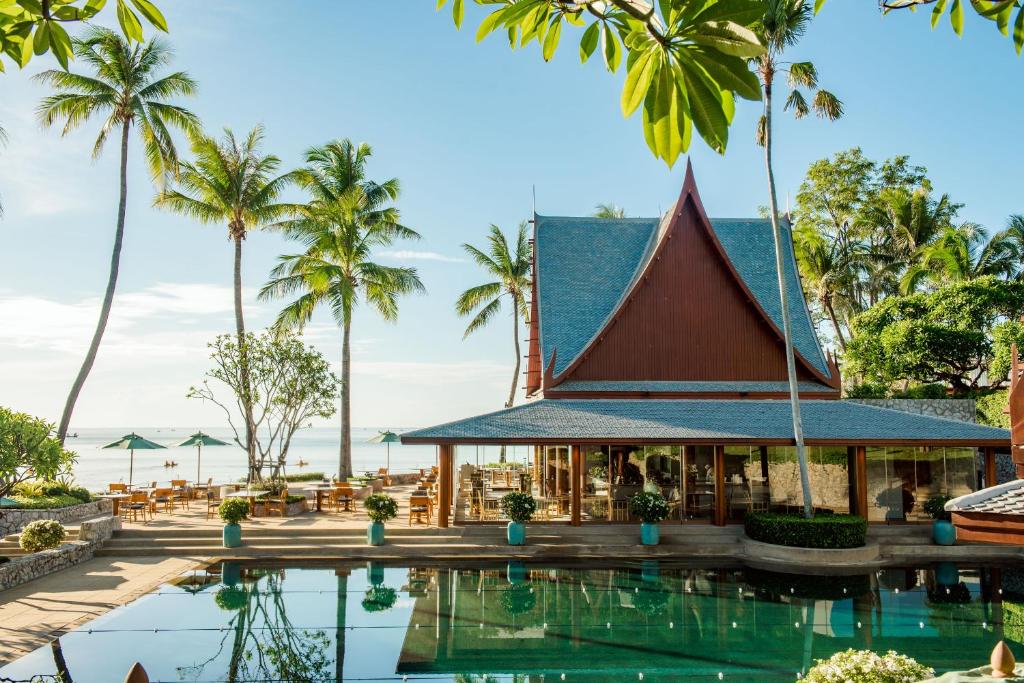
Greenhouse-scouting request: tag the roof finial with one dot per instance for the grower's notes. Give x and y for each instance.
(534, 199)
(688, 182)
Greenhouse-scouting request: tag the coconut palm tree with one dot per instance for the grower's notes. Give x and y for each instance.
(609, 210)
(1013, 239)
(509, 272)
(127, 90)
(961, 252)
(231, 181)
(348, 217)
(782, 26)
(829, 276)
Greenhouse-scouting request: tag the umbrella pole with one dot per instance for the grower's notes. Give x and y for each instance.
(131, 467)
(389, 460)
(199, 462)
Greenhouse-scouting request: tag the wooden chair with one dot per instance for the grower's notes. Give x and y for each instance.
(163, 497)
(619, 511)
(384, 476)
(117, 488)
(277, 504)
(139, 502)
(489, 509)
(420, 505)
(180, 493)
(212, 502)
(344, 494)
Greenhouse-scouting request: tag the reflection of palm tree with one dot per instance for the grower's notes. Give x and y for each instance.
(341, 621)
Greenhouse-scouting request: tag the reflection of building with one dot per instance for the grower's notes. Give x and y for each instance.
(656, 362)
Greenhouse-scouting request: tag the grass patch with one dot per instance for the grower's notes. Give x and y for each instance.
(822, 531)
(305, 476)
(44, 502)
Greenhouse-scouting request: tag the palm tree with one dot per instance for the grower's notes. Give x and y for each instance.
(510, 272)
(961, 252)
(828, 275)
(1013, 239)
(231, 181)
(609, 210)
(784, 23)
(126, 90)
(348, 217)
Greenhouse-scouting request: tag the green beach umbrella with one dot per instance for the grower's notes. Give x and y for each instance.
(132, 442)
(199, 440)
(388, 438)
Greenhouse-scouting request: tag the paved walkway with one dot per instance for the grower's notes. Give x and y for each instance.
(32, 614)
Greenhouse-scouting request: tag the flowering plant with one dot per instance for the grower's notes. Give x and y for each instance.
(865, 666)
(651, 508)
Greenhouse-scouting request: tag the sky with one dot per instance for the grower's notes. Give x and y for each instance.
(472, 131)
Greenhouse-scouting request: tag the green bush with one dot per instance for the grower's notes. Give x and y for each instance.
(28, 449)
(230, 598)
(935, 507)
(867, 390)
(44, 502)
(49, 494)
(822, 531)
(518, 506)
(518, 599)
(305, 476)
(41, 534)
(650, 507)
(233, 510)
(865, 666)
(380, 507)
(806, 586)
(990, 408)
(379, 599)
(923, 391)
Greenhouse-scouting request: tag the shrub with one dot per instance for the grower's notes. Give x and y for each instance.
(29, 449)
(230, 598)
(598, 472)
(305, 476)
(379, 599)
(867, 390)
(380, 507)
(651, 600)
(518, 599)
(822, 531)
(923, 391)
(234, 510)
(807, 586)
(865, 666)
(650, 507)
(990, 409)
(518, 506)
(935, 507)
(44, 495)
(41, 534)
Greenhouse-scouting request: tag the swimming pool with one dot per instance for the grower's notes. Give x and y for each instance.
(477, 624)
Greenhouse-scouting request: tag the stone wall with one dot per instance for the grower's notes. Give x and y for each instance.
(91, 535)
(13, 521)
(962, 409)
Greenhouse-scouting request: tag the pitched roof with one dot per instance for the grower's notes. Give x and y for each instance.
(702, 420)
(668, 387)
(1002, 499)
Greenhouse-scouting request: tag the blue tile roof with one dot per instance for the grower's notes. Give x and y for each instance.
(751, 249)
(660, 387)
(722, 421)
(584, 268)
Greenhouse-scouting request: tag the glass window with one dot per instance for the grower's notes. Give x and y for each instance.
(745, 484)
(699, 483)
(662, 473)
(901, 479)
(830, 478)
(595, 497)
(626, 467)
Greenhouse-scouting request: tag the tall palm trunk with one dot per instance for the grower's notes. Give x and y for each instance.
(515, 374)
(835, 323)
(243, 357)
(108, 296)
(787, 325)
(345, 452)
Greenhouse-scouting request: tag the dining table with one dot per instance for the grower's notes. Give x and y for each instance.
(250, 495)
(116, 498)
(320, 490)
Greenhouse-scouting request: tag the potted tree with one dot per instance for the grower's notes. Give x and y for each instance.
(519, 508)
(943, 531)
(233, 511)
(380, 507)
(651, 508)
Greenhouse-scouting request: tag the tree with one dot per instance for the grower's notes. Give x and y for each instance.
(287, 382)
(609, 210)
(348, 217)
(1012, 238)
(961, 252)
(782, 25)
(35, 27)
(959, 335)
(231, 182)
(998, 11)
(127, 91)
(510, 273)
(29, 450)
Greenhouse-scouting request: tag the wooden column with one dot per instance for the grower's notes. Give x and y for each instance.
(763, 452)
(444, 497)
(576, 485)
(860, 464)
(990, 466)
(720, 511)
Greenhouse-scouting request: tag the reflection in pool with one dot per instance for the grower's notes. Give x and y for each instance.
(531, 623)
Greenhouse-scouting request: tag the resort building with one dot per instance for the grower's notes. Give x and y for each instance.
(656, 360)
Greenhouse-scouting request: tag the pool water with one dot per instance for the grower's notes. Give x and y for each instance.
(529, 623)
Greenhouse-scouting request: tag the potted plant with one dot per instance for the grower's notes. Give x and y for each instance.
(943, 531)
(380, 507)
(519, 508)
(233, 511)
(651, 508)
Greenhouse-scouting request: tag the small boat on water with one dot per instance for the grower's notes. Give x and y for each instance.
(170, 463)
(301, 463)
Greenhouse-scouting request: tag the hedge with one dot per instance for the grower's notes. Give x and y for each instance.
(821, 531)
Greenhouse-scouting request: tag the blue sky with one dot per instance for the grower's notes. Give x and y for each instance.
(470, 130)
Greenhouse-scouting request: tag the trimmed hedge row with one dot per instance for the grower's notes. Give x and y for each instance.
(822, 531)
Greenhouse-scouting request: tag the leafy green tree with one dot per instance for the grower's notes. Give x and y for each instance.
(287, 382)
(29, 450)
(348, 217)
(34, 27)
(231, 181)
(998, 11)
(782, 24)
(958, 335)
(609, 210)
(127, 90)
(509, 270)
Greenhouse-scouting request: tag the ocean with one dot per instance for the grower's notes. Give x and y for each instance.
(317, 446)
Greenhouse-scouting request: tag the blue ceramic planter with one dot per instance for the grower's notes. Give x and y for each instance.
(230, 573)
(375, 571)
(516, 533)
(649, 533)
(232, 535)
(375, 533)
(943, 532)
(516, 572)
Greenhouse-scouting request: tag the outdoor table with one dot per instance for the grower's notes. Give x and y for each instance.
(320, 490)
(117, 498)
(250, 495)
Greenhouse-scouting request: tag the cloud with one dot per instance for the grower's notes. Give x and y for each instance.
(412, 255)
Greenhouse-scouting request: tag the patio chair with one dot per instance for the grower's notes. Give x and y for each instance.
(420, 505)
(117, 488)
(489, 510)
(139, 502)
(163, 497)
(384, 476)
(620, 511)
(180, 493)
(212, 502)
(277, 504)
(340, 498)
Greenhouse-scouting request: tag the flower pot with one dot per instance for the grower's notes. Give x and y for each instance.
(516, 532)
(375, 571)
(649, 571)
(515, 572)
(232, 535)
(946, 574)
(649, 533)
(230, 573)
(375, 533)
(943, 532)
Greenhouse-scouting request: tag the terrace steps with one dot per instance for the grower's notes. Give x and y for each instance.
(10, 544)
